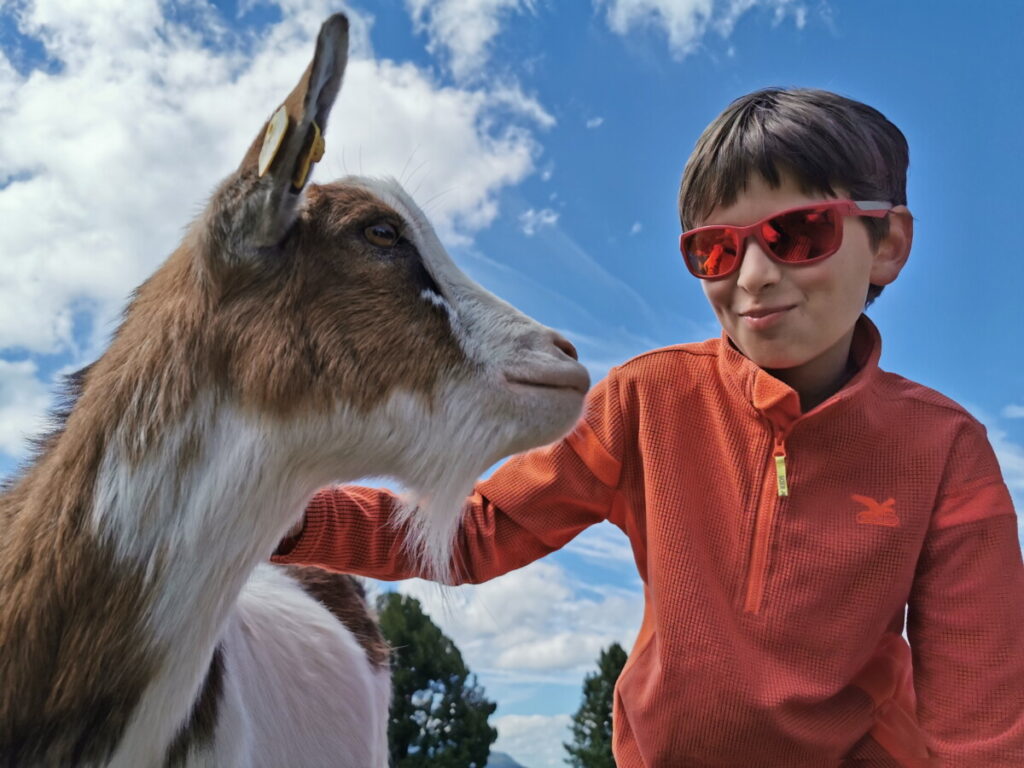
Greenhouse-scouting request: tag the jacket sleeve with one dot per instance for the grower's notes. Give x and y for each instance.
(532, 505)
(966, 616)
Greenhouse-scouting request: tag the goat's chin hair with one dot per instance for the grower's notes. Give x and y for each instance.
(431, 520)
(434, 503)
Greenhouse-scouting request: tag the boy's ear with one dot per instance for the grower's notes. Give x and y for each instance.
(894, 249)
(277, 166)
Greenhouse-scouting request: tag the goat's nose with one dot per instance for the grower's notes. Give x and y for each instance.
(565, 346)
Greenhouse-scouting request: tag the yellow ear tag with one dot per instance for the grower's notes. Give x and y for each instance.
(315, 153)
(276, 129)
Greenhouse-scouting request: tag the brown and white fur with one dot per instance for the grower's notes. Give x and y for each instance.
(280, 348)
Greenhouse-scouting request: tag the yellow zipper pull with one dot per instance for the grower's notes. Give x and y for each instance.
(780, 468)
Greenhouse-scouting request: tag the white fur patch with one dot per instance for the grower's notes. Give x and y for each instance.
(439, 301)
(308, 690)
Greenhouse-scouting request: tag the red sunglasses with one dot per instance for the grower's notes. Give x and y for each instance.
(801, 235)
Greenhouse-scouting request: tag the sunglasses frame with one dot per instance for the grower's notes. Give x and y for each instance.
(873, 209)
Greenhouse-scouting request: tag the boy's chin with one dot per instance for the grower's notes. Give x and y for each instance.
(770, 357)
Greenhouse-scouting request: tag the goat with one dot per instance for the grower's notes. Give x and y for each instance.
(301, 334)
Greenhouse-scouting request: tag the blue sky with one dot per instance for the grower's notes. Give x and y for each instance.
(546, 141)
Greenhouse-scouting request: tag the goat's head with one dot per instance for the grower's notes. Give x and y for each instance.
(332, 315)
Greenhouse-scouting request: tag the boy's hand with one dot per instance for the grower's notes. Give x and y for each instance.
(291, 538)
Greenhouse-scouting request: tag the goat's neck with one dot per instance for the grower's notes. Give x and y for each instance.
(198, 513)
(126, 547)
(196, 516)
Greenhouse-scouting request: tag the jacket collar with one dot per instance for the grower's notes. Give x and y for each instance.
(779, 402)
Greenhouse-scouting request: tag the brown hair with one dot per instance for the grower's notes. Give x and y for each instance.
(820, 138)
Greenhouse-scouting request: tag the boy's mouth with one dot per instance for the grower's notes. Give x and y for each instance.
(763, 317)
(765, 311)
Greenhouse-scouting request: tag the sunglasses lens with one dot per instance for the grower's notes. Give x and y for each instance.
(710, 253)
(811, 233)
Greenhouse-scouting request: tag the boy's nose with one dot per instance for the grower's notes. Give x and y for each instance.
(758, 271)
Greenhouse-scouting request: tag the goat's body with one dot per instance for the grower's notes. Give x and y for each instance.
(298, 687)
(288, 684)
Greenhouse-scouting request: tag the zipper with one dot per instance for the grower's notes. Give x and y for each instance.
(764, 523)
(779, 455)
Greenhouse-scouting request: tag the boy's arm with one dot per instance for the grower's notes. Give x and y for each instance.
(966, 617)
(532, 505)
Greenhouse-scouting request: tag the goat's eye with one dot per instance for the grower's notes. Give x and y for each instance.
(381, 234)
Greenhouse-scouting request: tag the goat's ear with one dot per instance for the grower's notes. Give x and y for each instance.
(277, 166)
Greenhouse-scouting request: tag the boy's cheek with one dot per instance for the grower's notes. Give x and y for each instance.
(719, 295)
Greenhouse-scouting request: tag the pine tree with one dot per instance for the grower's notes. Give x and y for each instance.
(591, 746)
(438, 712)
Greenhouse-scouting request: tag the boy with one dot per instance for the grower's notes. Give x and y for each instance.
(788, 503)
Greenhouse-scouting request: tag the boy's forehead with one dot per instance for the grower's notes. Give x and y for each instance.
(757, 197)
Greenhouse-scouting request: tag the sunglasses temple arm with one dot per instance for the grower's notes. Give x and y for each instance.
(870, 206)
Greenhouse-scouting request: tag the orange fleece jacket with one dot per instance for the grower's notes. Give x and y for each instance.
(772, 631)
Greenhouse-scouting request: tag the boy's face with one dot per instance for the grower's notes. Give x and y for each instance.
(797, 316)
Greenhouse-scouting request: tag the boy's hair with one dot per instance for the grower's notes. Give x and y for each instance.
(820, 138)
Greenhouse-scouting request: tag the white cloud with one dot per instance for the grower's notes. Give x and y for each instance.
(510, 94)
(114, 149)
(1011, 460)
(594, 122)
(603, 544)
(557, 651)
(23, 403)
(685, 22)
(636, 228)
(1013, 412)
(1009, 453)
(532, 220)
(533, 740)
(534, 623)
(463, 29)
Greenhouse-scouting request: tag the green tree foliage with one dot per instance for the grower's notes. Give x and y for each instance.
(591, 745)
(439, 712)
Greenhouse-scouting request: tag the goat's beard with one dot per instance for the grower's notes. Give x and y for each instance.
(431, 522)
(451, 443)
(434, 504)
